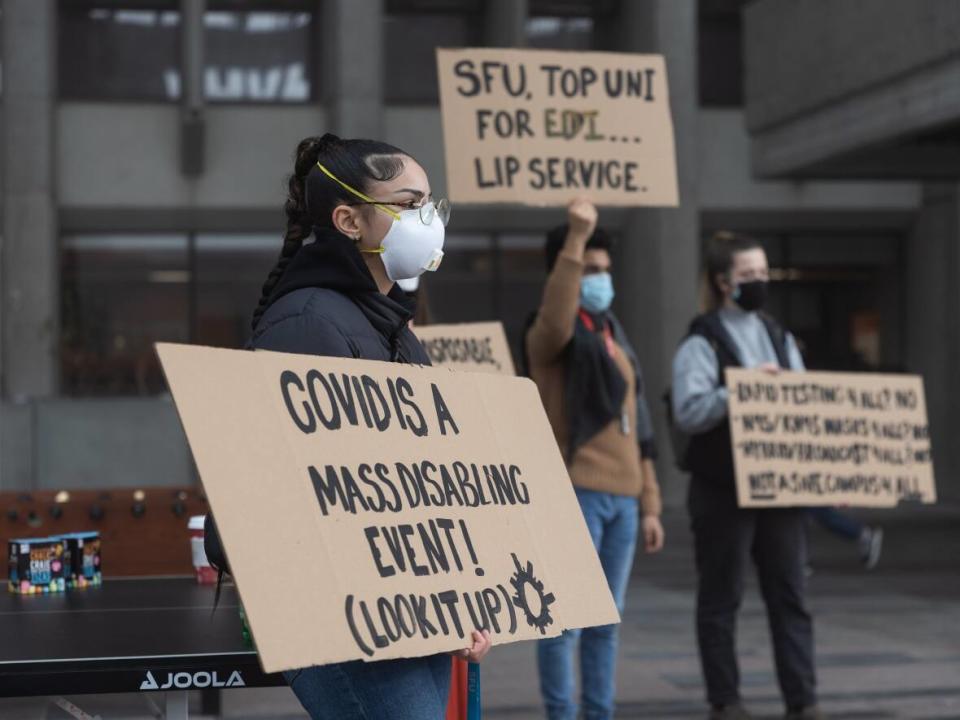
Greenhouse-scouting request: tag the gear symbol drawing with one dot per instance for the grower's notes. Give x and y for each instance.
(524, 583)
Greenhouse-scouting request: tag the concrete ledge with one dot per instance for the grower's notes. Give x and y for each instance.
(108, 442)
(16, 446)
(801, 55)
(727, 184)
(903, 107)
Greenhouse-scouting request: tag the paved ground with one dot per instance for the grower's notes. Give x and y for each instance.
(888, 642)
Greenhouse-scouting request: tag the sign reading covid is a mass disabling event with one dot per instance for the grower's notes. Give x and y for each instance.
(375, 510)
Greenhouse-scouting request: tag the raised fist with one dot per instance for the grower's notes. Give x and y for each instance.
(582, 217)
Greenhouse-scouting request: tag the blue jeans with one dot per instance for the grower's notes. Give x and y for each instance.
(406, 689)
(612, 521)
(837, 522)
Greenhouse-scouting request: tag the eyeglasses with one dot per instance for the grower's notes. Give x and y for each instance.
(428, 210)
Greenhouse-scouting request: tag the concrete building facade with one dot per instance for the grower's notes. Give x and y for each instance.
(145, 150)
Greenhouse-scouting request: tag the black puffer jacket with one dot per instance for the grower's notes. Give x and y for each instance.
(327, 303)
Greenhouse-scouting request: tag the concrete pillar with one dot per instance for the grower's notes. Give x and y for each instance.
(29, 289)
(657, 260)
(192, 120)
(352, 42)
(933, 324)
(503, 23)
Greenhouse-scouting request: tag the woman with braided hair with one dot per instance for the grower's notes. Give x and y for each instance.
(373, 221)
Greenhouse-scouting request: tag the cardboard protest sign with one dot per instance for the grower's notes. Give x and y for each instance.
(539, 127)
(817, 438)
(377, 510)
(479, 347)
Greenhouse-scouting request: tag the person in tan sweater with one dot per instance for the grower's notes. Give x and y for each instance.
(591, 386)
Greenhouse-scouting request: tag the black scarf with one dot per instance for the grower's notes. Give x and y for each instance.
(332, 261)
(594, 386)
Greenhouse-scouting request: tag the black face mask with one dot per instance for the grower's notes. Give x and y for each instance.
(751, 295)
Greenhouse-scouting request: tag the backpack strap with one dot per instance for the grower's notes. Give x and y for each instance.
(778, 336)
(711, 328)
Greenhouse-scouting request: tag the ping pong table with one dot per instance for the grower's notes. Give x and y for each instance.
(156, 635)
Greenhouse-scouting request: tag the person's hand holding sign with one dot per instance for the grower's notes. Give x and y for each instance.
(769, 368)
(481, 646)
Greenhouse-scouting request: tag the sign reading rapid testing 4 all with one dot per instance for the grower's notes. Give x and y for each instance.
(376, 510)
(478, 347)
(539, 127)
(815, 438)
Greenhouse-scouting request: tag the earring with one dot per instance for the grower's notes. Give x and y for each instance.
(357, 238)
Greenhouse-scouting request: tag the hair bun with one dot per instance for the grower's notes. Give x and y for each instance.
(310, 150)
(327, 141)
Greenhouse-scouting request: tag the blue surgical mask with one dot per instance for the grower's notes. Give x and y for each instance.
(596, 292)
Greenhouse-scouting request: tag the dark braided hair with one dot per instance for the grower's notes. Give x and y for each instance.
(312, 196)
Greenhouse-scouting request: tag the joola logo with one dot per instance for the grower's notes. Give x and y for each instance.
(184, 680)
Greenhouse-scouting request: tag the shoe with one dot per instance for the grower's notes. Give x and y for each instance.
(729, 712)
(811, 712)
(870, 543)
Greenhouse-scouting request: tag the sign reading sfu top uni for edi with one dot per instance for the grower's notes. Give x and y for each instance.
(817, 438)
(375, 510)
(540, 127)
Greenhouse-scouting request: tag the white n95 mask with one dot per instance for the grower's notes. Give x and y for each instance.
(410, 285)
(412, 247)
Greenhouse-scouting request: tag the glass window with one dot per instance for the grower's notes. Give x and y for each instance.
(110, 53)
(118, 53)
(559, 33)
(523, 273)
(123, 292)
(569, 24)
(462, 290)
(260, 56)
(719, 54)
(120, 294)
(410, 41)
(488, 277)
(1, 53)
(230, 270)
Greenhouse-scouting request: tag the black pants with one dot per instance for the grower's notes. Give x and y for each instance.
(724, 537)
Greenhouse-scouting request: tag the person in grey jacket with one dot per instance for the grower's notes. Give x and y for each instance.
(373, 220)
(736, 334)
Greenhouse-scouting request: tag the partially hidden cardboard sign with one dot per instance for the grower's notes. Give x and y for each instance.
(816, 438)
(539, 127)
(376, 510)
(478, 347)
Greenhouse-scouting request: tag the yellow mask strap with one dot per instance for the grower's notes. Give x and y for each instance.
(362, 196)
